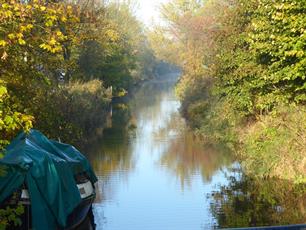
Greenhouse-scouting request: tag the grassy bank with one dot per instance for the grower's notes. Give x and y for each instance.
(275, 145)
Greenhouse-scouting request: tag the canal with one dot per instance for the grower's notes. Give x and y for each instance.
(155, 174)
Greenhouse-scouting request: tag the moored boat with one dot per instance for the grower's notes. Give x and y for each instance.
(53, 181)
(78, 215)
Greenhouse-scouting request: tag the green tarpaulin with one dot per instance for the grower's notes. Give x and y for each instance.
(47, 168)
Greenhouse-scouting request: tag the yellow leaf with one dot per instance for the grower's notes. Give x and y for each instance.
(19, 35)
(42, 8)
(56, 49)
(3, 91)
(29, 26)
(21, 41)
(5, 6)
(11, 36)
(52, 41)
(3, 43)
(49, 23)
(45, 46)
(23, 28)
(52, 17)
(8, 13)
(63, 19)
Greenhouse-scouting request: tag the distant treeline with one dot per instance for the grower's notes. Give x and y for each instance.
(244, 77)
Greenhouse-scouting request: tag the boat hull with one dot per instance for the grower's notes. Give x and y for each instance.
(80, 213)
(76, 218)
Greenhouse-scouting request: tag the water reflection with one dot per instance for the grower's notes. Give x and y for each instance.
(138, 186)
(187, 155)
(111, 153)
(112, 157)
(154, 174)
(248, 202)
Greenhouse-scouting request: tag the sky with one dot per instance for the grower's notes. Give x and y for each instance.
(148, 11)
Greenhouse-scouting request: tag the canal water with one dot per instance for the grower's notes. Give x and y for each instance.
(155, 174)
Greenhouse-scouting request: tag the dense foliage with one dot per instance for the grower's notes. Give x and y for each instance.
(11, 119)
(61, 62)
(244, 78)
(47, 46)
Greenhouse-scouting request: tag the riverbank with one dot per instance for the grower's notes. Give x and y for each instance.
(270, 146)
(275, 145)
(57, 67)
(243, 78)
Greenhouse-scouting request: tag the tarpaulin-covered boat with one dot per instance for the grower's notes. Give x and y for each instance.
(53, 181)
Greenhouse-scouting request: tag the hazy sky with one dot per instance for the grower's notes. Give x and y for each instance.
(148, 10)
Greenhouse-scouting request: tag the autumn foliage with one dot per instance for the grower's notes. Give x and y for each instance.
(243, 77)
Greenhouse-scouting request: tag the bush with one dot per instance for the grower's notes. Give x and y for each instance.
(11, 117)
(73, 113)
(276, 145)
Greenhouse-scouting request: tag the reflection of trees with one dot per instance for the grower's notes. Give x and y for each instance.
(248, 202)
(112, 156)
(111, 153)
(187, 156)
(150, 94)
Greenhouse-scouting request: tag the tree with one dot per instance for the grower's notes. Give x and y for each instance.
(243, 66)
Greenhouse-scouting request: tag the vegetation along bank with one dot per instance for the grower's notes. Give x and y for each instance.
(61, 63)
(244, 77)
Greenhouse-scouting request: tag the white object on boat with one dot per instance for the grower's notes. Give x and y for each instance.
(25, 194)
(86, 189)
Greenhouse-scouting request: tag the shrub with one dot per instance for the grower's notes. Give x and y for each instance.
(276, 145)
(73, 112)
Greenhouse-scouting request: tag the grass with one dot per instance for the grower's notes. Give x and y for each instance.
(275, 145)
